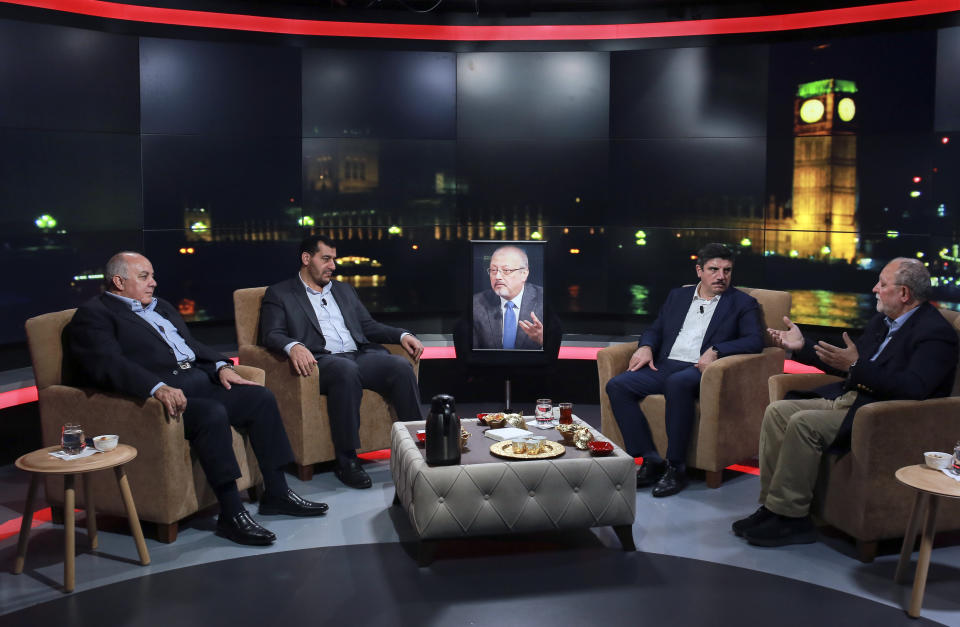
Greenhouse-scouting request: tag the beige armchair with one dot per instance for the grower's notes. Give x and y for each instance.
(733, 397)
(167, 482)
(303, 408)
(857, 492)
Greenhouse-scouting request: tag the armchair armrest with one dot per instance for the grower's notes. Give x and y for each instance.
(888, 435)
(613, 360)
(251, 373)
(780, 384)
(733, 396)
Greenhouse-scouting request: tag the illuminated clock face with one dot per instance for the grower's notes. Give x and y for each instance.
(811, 111)
(846, 109)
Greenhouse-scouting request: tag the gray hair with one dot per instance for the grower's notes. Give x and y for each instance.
(117, 266)
(523, 255)
(913, 275)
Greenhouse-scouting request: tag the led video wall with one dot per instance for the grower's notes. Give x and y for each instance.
(817, 159)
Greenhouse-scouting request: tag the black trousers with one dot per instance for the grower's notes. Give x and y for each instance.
(343, 377)
(212, 410)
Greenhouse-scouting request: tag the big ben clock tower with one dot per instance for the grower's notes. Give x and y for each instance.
(825, 169)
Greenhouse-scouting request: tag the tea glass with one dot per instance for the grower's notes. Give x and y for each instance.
(71, 438)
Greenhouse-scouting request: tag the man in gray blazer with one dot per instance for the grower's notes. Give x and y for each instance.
(509, 314)
(321, 323)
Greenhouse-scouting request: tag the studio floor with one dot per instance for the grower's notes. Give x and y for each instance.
(357, 565)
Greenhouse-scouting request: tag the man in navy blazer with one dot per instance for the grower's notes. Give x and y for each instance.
(127, 341)
(907, 351)
(695, 327)
(321, 323)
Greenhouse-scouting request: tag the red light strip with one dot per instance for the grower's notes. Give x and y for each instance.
(18, 397)
(12, 526)
(545, 32)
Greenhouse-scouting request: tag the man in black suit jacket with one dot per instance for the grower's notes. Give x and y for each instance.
(510, 298)
(127, 341)
(695, 327)
(321, 323)
(907, 351)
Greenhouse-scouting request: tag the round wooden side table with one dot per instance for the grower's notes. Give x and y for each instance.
(930, 485)
(40, 462)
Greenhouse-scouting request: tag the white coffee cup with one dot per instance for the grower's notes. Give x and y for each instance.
(937, 461)
(105, 443)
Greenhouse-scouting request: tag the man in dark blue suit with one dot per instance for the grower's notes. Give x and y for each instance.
(127, 341)
(907, 351)
(695, 327)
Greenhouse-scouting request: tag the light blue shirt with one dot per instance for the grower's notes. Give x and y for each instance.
(335, 332)
(165, 328)
(892, 327)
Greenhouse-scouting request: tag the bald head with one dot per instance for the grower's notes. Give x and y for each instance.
(130, 274)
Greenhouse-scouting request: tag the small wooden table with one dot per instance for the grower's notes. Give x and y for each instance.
(930, 485)
(40, 462)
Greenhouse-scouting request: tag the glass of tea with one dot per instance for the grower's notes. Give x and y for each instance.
(566, 413)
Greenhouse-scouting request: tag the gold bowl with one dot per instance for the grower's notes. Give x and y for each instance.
(583, 438)
(568, 432)
(464, 436)
(515, 420)
(495, 421)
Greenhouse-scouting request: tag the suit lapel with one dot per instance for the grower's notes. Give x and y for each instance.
(345, 305)
(299, 294)
(719, 315)
(123, 311)
(893, 346)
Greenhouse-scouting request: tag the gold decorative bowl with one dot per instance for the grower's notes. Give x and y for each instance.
(515, 420)
(568, 432)
(583, 438)
(464, 436)
(495, 421)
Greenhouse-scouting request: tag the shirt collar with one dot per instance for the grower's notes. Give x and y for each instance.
(696, 295)
(516, 300)
(895, 324)
(324, 291)
(135, 305)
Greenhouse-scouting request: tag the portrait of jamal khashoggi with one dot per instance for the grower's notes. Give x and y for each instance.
(508, 296)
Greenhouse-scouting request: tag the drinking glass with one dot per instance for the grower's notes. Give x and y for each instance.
(71, 438)
(566, 414)
(544, 411)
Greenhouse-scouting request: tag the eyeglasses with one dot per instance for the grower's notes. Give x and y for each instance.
(503, 271)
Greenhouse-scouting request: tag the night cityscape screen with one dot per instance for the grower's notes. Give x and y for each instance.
(816, 159)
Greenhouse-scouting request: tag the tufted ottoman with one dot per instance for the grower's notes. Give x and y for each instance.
(486, 495)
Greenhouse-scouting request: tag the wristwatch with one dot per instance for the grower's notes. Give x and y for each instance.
(230, 366)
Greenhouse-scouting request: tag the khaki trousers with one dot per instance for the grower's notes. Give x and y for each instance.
(793, 437)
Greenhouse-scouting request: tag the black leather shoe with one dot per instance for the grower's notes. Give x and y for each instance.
(672, 481)
(781, 531)
(243, 529)
(291, 504)
(649, 473)
(762, 515)
(353, 475)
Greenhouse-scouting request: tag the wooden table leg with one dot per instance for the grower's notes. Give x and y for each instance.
(69, 503)
(25, 524)
(91, 511)
(923, 560)
(910, 537)
(132, 515)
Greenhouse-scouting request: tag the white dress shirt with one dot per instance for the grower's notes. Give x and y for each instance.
(690, 339)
